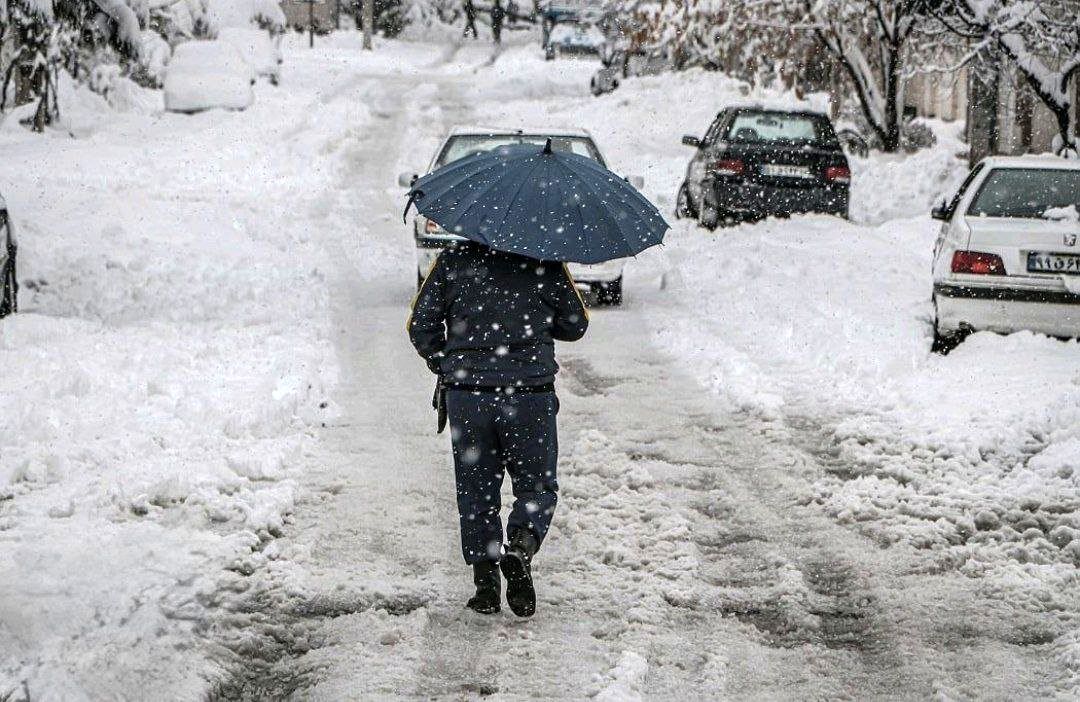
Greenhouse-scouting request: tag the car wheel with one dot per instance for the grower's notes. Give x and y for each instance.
(684, 205)
(946, 341)
(609, 293)
(9, 288)
(708, 217)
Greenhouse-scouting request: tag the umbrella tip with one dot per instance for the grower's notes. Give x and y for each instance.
(547, 146)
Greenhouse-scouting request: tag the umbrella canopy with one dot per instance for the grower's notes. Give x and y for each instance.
(544, 204)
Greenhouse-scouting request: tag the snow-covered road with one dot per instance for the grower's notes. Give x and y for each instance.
(695, 554)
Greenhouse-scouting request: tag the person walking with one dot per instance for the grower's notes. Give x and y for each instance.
(470, 20)
(498, 14)
(485, 322)
(487, 317)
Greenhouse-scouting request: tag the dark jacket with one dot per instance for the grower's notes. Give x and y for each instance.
(489, 319)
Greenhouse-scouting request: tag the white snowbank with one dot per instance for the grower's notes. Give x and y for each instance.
(159, 389)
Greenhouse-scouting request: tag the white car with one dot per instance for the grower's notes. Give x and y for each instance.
(1008, 255)
(574, 38)
(207, 75)
(602, 279)
(259, 49)
(9, 285)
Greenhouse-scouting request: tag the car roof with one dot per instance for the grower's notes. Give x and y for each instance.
(1032, 161)
(524, 131)
(778, 107)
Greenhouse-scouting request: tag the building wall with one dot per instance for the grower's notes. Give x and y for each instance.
(297, 17)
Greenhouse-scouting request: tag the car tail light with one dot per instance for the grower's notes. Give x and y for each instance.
(977, 263)
(727, 166)
(838, 174)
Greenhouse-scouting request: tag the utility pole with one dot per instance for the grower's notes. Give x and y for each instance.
(311, 23)
(369, 22)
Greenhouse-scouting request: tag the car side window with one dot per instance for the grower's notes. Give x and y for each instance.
(964, 187)
(714, 129)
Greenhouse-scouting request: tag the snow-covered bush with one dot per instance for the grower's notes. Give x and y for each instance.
(64, 35)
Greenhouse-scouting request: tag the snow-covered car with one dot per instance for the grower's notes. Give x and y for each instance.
(574, 38)
(1008, 254)
(9, 286)
(207, 75)
(757, 162)
(602, 279)
(261, 50)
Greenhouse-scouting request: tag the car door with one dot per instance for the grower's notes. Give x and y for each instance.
(695, 172)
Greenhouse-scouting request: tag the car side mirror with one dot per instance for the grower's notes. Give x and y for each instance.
(941, 212)
(406, 180)
(635, 180)
(690, 140)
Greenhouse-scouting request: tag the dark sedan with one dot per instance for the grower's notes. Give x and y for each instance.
(755, 162)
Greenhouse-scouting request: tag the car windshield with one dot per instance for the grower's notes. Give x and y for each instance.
(781, 128)
(468, 144)
(1026, 192)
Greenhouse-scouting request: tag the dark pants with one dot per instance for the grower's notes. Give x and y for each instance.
(492, 433)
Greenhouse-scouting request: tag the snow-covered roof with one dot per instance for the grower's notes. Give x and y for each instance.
(527, 131)
(1032, 160)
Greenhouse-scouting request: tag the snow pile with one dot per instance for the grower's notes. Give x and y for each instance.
(898, 186)
(826, 324)
(627, 679)
(161, 386)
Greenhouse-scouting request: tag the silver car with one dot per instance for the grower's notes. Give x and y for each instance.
(604, 280)
(9, 286)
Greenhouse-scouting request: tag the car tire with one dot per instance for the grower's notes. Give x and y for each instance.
(609, 293)
(708, 217)
(945, 342)
(684, 204)
(9, 288)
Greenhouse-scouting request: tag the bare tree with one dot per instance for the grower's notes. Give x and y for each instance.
(872, 42)
(1042, 39)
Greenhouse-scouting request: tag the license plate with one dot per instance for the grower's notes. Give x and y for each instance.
(1039, 262)
(785, 171)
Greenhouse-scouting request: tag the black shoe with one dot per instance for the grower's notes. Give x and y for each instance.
(516, 566)
(488, 584)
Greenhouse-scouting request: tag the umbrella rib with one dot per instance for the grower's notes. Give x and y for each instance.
(521, 186)
(477, 195)
(606, 212)
(630, 251)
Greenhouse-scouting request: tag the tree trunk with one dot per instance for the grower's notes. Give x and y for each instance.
(369, 22)
(893, 114)
(982, 111)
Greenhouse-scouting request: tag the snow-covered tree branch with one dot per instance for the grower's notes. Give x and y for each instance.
(1041, 38)
(871, 40)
